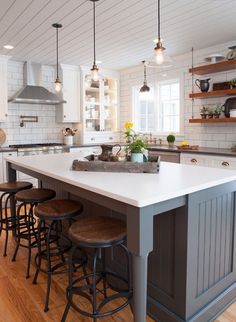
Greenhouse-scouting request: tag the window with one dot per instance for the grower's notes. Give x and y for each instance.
(160, 113)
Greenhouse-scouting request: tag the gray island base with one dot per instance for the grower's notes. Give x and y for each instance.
(181, 233)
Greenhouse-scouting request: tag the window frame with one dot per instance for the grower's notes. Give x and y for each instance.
(171, 79)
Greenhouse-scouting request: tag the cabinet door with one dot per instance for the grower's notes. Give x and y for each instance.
(70, 111)
(5, 155)
(92, 106)
(110, 101)
(194, 159)
(3, 88)
(1, 168)
(223, 162)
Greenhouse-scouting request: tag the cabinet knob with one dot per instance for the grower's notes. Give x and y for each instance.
(6, 115)
(193, 160)
(64, 116)
(110, 138)
(225, 163)
(92, 139)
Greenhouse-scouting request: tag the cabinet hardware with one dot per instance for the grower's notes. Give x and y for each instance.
(193, 160)
(110, 138)
(92, 139)
(64, 116)
(225, 163)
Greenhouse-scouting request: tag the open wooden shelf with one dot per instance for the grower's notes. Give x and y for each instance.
(221, 92)
(220, 120)
(214, 68)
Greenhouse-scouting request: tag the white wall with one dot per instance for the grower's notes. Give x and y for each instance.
(207, 135)
(46, 130)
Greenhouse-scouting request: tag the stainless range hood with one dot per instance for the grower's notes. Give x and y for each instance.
(33, 92)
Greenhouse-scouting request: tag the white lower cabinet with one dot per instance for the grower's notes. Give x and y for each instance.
(208, 160)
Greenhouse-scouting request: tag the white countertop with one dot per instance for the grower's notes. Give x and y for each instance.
(137, 189)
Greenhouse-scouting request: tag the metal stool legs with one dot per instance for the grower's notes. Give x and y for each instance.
(26, 231)
(91, 290)
(8, 222)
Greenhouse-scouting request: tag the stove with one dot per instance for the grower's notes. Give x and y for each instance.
(40, 148)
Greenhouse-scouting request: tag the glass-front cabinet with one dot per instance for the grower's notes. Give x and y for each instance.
(100, 108)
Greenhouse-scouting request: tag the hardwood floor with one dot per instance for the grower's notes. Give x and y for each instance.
(21, 301)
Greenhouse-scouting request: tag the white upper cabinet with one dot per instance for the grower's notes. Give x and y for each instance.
(100, 102)
(3, 88)
(69, 111)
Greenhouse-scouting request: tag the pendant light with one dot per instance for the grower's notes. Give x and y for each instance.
(57, 83)
(145, 89)
(160, 58)
(94, 70)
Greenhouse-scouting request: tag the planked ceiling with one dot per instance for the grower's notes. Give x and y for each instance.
(125, 29)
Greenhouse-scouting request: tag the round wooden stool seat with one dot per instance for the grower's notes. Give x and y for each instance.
(58, 209)
(97, 231)
(35, 195)
(15, 186)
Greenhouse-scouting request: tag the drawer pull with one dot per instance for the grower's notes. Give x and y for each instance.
(225, 163)
(193, 160)
(92, 139)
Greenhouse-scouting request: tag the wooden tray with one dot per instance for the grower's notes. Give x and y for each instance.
(188, 147)
(107, 166)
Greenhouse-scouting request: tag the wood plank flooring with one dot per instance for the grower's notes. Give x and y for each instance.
(21, 301)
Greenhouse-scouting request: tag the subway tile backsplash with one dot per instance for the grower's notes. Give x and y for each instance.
(47, 129)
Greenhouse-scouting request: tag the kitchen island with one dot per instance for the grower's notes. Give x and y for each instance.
(192, 276)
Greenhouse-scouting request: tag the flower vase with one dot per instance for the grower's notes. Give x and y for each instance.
(137, 157)
(68, 140)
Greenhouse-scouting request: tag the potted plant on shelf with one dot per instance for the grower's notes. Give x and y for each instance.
(171, 139)
(217, 111)
(232, 83)
(204, 112)
(210, 113)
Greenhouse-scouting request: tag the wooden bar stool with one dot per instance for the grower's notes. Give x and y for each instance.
(26, 236)
(98, 233)
(51, 214)
(8, 223)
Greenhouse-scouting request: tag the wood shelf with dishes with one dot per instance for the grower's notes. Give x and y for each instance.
(210, 69)
(218, 93)
(221, 66)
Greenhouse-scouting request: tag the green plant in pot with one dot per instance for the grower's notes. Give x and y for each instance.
(137, 148)
(204, 112)
(217, 111)
(210, 113)
(171, 139)
(233, 83)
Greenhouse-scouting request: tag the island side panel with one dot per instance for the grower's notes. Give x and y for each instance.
(211, 270)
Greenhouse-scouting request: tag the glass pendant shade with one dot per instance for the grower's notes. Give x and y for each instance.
(145, 89)
(57, 83)
(94, 76)
(159, 59)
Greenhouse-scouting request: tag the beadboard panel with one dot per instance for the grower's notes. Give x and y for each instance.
(211, 245)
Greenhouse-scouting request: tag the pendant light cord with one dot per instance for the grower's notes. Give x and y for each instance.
(159, 20)
(57, 53)
(145, 73)
(94, 32)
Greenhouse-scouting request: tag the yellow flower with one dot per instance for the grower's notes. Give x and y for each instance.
(129, 125)
(183, 143)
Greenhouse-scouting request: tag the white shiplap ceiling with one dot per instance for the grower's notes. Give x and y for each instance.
(125, 29)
